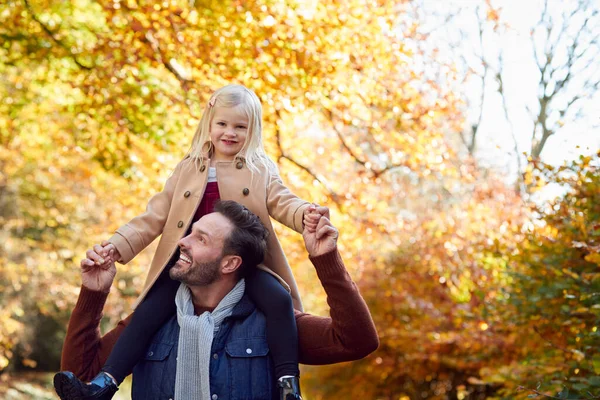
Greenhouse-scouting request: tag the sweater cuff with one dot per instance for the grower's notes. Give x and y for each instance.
(91, 301)
(329, 264)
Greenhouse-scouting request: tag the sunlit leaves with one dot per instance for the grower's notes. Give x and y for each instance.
(100, 100)
(555, 283)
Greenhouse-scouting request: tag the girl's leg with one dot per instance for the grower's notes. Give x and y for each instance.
(149, 316)
(282, 335)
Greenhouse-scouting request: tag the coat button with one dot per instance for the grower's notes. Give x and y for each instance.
(249, 351)
(202, 168)
(214, 397)
(246, 191)
(187, 194)
(215, 356)
(239, 165)
(150, 354)
(180, 224)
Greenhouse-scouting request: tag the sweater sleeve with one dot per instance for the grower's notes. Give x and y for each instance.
(137, 234)
(283, 205)
(349, 334)
(85, 351)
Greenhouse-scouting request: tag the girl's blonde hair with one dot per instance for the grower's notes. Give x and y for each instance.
(253, 152)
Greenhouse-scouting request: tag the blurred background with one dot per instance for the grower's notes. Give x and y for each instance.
(456, 144)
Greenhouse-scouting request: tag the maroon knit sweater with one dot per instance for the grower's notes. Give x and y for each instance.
(349, 334)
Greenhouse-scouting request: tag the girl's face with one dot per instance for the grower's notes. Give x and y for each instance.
(228, 132)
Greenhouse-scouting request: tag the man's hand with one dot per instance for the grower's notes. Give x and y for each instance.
(312, 215)
(323, 239)
(97, 272)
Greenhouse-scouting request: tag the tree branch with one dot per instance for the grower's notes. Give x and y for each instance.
(282, 154)
(475, 129)
(54, 39)
(376, 172)
(520, 182)
(184, 80)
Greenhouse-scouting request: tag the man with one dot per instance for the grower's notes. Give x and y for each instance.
(220, 351)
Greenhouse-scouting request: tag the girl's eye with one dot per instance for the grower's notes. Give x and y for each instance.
(221, 123)
(241, 127)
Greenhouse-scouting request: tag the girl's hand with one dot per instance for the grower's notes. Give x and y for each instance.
(110, 249)
(312, 215)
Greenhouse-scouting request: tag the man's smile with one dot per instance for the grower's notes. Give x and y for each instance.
(184, 259)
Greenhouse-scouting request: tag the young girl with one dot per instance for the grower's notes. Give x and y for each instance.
(226, 161)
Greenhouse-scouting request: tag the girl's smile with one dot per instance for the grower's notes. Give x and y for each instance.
(228, 132)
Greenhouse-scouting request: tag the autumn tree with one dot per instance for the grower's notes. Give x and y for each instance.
(101, 100)
(553, 300)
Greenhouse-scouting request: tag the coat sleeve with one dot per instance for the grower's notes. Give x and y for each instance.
(350, 333)
(283, 205)
(85, 351)
(137, 234)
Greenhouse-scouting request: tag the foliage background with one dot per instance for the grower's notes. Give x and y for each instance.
(476, 289)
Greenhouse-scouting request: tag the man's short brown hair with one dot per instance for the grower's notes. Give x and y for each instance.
(248, 238)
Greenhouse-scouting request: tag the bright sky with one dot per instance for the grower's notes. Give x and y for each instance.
(495, 142)
(521, 15)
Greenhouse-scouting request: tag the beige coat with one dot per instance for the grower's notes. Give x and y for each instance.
(170, 213)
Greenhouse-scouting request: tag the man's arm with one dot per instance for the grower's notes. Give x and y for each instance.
(84, 350)
(349, 334)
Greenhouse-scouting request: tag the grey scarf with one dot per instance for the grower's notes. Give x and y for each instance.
(195, 341)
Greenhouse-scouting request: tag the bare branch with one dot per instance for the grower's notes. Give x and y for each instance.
(475, 128)
(463, 139)
(535, 51)
(538, 146)
(520, 183)
(579, 62)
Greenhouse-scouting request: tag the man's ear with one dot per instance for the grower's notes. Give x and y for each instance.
(230, 264)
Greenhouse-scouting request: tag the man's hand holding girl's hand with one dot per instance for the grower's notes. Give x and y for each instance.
(98, 268)
(321, 240)
(312, 215)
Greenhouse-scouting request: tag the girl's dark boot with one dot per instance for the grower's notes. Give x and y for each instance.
(289, 388)
(69, 387)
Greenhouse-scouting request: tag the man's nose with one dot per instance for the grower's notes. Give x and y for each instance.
(181, 242)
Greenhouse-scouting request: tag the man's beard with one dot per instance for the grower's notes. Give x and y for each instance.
(198, 274)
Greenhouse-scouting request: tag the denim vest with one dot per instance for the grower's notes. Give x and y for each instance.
(240, 365)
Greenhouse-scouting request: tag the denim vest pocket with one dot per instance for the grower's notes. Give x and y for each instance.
(249, 369)
(158, 352)
(154, 376)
